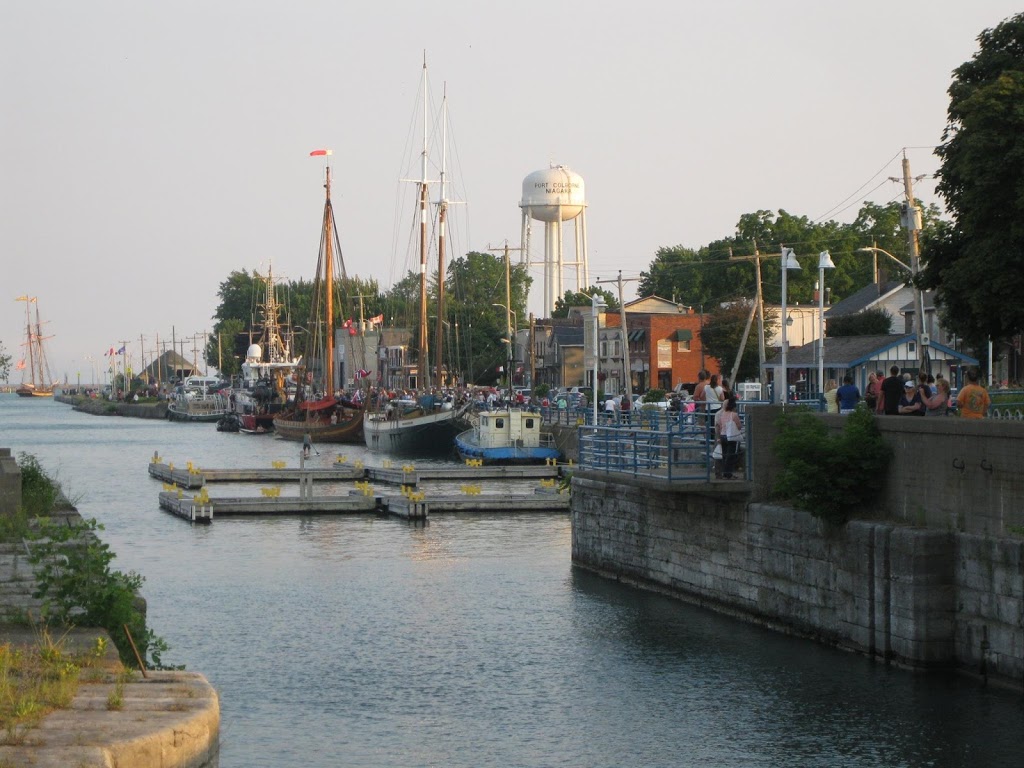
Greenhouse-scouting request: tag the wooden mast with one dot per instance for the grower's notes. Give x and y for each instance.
(329, 290)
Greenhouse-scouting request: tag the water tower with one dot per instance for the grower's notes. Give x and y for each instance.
(555, 195)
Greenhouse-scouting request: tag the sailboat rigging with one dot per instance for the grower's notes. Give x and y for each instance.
(426, 421)
(318, 410)
(36, 379)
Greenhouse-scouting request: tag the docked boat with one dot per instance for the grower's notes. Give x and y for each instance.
(425, 424)
(36, 380)
(190, 405)
(315, 409)
(260, 395)
(506, 437)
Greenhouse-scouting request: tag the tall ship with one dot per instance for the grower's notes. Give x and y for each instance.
(316, 409)
(36, 380)
(427, 421)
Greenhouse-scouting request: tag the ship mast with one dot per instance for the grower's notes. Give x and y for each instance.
(442, 216)
(424, 373)
(329, 288)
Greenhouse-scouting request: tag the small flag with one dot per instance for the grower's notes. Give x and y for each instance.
(378, 320)
(501, 369)
(21, 365)
(110, 353)
(362, 373)
(121, 351)
(321, 152)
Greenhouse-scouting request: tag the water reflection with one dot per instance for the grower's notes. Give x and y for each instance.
(472, 641)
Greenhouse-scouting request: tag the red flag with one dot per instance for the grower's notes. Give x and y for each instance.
(21, 365)
(317, 152)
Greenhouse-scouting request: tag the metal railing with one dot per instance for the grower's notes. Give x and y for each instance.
(655, 445)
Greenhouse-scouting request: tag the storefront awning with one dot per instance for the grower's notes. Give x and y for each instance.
(683, 334)
(637, 335)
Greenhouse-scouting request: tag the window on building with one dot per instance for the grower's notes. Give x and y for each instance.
(499, 423)
(529, 423)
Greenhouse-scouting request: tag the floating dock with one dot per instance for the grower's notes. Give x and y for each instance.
(411, 503)
(191, 477)
(201, 508)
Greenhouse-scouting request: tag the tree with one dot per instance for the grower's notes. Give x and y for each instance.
(227, 345)
(870, 322)
(976, 261)
(722, 331)
(476, 282)
(582, 299)
(5, 363)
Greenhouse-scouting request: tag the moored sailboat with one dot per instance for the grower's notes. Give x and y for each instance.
(36, 379)
(427, 422)
(316, 410)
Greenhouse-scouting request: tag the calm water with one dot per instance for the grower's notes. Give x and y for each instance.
(473, 641)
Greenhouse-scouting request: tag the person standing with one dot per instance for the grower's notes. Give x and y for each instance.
(936, 404)
(871, 391)
(891, 392)
(731, 429)
(973, 401)
(848, 396)
(910, 401)
(831, 397)
(307, 444)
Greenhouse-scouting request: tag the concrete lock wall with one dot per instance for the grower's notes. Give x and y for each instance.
(10, 483)
(915, 595)
(945, 473)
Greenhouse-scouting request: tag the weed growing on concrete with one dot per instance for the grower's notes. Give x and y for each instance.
(33, 682)
(78, 586)
(832, 476)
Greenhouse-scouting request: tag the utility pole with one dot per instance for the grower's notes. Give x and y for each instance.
(508, 309)
(627, 374)
(910, 218)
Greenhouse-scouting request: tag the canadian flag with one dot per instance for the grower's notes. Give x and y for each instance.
(378, 320)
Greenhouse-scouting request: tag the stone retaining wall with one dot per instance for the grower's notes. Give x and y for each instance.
(918, 596)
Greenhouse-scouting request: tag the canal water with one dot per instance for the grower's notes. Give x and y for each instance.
(472, 641)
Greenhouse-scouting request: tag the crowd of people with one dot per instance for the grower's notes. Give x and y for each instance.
(900, 394)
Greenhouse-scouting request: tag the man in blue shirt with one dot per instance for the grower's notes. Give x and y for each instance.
(848, 395)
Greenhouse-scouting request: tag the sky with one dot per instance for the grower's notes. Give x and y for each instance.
(149, 149)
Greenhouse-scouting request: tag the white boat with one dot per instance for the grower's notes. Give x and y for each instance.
(510, 436)
(203, 405)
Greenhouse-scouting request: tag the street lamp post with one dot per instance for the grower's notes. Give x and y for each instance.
(788, 262)
(824, 262)
(596, 305)
(922, 357)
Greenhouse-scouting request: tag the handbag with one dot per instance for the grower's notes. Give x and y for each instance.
(717, 453)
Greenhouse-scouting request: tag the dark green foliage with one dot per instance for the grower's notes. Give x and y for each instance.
(722, 331)
(39, 492)
(541, 390)
(830, 476)
(654, 395)
(582, 299)
(977, 261)
(870, 322)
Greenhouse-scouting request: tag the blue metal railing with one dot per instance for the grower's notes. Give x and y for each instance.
(652, 444)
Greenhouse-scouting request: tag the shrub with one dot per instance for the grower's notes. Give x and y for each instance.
(39, 491)
(830, 476)
(654, 395)
(77, 586)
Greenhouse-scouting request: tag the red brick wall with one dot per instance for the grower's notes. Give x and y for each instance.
(685, 365)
